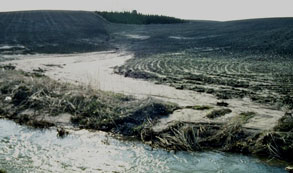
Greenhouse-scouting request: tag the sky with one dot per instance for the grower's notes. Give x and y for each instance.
(221, 10)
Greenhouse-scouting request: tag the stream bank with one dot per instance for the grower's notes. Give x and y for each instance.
(30, 97)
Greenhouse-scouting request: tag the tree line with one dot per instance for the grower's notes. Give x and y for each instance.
(137, 18)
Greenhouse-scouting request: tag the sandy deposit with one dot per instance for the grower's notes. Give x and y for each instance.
(96, 70)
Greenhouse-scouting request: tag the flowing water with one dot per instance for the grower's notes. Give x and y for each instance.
(23, 149)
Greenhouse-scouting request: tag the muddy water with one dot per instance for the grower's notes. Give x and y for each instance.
(23, 149)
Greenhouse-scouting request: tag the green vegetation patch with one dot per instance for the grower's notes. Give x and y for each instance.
(218, 113)
(137, 18)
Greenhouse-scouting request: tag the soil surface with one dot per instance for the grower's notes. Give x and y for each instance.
(96, 71)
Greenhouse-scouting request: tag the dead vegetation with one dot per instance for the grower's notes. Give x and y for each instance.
(285, 124)
(231, 137)
(199, 107)
(7, 67)
(245, 116)
(89, 108)
(224, 104)
(92, 109)
(61, 132)
(218, 113)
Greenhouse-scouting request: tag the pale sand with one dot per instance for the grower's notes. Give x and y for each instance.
(96, 70)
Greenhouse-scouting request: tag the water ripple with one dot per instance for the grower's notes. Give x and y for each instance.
(23, 149)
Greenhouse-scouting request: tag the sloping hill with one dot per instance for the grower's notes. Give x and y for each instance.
(272, 35)
(52, 31)
(80, 31)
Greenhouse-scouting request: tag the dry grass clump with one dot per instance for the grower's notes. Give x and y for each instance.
(199, 107)
(218, 113)
(285, 124)
(244, 117)
(180, 139)
(92, 109)
(41, 93)
(275, 144)
(230, 137)
(186, 136)
(196, 137)
(224, 104)
(7, 67)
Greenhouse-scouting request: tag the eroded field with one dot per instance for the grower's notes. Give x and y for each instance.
(200, 121)
(266, 79)
(96, 70)
(231, 82)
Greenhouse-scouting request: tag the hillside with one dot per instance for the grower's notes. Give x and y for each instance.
(80, 31)
(274, 36)
(52, 31)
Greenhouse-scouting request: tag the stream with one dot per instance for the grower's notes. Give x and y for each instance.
(25, 149)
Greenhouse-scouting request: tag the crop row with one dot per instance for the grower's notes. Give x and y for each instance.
(260, 77)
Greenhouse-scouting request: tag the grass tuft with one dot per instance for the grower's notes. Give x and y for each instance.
(199, 107)
(285, 124)
(218, 113)
(89, 108)
(245, 116)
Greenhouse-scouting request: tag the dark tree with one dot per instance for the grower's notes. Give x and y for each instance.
(137, 18)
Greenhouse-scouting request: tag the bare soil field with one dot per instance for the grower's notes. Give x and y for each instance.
(262, 78)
